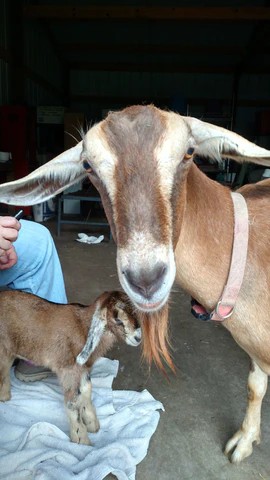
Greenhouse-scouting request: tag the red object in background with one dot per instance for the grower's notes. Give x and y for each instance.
(18, 136)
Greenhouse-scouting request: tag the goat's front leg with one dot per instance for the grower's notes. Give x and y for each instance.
(78, 430)
(70, 379)
(5, 365)
(241, 443)
(88, 411)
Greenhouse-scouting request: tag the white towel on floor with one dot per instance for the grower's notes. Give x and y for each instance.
(34, 441)
(89, 239)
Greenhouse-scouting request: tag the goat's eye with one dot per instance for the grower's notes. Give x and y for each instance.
(87, 166)
(189, 153)
(118, 321)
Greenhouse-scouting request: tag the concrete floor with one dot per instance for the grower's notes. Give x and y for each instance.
(204, 402)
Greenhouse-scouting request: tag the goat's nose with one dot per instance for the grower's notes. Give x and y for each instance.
(146, 282)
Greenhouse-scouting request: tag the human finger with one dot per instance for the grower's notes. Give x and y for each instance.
(10, 222)
(8, 259)
(7, 236)
(2, 252)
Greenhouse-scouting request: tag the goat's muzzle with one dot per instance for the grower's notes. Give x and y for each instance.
(146, 282)
(135, 339)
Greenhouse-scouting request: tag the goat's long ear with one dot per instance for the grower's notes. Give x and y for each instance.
(46, 181)
(95, 333)
(216, 142)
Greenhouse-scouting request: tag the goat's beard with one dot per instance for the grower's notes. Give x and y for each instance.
(156, 338)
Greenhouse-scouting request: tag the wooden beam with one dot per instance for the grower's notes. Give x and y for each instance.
(108, 12)
(159, 100)
(152, 49)
(164, 67)
(148, 67)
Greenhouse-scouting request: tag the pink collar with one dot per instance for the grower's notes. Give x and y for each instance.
(226, 304)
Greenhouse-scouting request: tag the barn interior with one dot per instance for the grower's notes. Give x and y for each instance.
(63, 66)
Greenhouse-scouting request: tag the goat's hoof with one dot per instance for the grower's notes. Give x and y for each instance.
(90, 420)
(80, 437)
(93, 425)
(5, 396)
(240, 446)
(84, 441)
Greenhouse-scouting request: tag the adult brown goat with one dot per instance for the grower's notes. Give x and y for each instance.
(169, 220)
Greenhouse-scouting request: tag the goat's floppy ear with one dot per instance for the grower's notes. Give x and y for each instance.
(216, 142)
(46, 181)
(95, 333)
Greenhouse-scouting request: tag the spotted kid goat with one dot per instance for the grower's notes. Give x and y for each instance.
(67, 339)
(171, 221)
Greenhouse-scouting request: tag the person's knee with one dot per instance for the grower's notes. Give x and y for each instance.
(36, 239)
(42, 234)
(44, 242)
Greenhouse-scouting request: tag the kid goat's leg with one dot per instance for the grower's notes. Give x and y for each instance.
(88, 410)
(5, 365)
(70, 379)
(81, 413)
(241, 443)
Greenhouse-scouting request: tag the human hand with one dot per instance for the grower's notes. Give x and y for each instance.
(9, 229)
(8, 259)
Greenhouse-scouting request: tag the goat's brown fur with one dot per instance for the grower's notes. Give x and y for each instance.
(53, 335)
(156, 338)
(131, 137)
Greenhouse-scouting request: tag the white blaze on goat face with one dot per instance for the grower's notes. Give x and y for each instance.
(96, 152)
(171, 150)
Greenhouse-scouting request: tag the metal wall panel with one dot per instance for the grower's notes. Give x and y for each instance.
(4, 68)
(38, 95)
(4, 82)
(40, 58)
(3, 23)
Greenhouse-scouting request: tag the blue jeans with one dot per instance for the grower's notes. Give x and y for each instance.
(38, 269)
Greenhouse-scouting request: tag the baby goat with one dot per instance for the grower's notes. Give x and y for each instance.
(67, 339)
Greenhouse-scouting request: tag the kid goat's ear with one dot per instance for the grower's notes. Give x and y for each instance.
(95, 333)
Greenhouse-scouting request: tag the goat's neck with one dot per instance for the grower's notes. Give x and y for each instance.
(83, 316)
(107, 341)
(203, 251)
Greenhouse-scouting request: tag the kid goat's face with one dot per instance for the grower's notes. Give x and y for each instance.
(122, 321)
